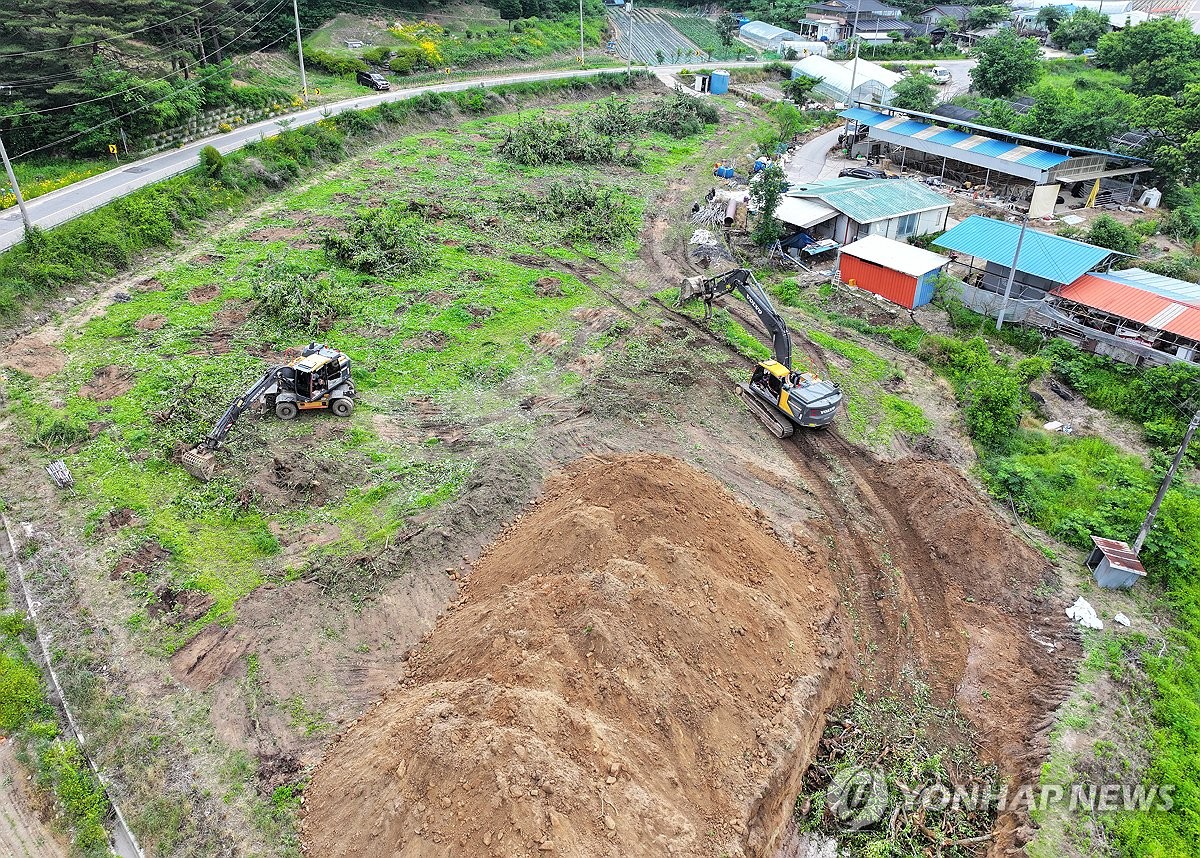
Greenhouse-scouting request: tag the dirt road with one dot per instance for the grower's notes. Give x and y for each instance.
(22, 833)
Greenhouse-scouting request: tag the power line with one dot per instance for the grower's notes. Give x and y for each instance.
(162, 53)
(143, 84)
(121, 36)
(126, 115)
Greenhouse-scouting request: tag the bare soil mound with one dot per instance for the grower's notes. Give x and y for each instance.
(34, 356)
(633, 670)
(108, 382)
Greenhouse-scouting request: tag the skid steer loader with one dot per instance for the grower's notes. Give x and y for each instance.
(318, 379)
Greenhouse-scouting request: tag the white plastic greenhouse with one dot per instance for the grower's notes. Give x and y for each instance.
(872, 83)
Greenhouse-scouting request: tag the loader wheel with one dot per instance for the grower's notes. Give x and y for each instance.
(286, 410)
(342, 407)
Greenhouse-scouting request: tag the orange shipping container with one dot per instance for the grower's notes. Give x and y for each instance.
(896, 287)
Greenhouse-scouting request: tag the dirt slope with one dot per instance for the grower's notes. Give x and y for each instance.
(640, 667)
(635, 667)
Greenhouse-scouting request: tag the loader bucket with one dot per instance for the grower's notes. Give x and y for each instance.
(200, 463)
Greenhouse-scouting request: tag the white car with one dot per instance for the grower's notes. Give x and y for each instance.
(940, 75)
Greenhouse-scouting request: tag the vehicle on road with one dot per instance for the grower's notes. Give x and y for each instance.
(863, 173)
(940, 75)
(373, 80)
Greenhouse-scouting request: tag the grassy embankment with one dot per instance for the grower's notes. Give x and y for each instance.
(455, 328)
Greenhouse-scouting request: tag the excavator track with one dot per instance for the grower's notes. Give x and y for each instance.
(778, 427)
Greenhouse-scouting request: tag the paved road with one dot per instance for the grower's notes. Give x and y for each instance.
(808, 161)
(70, 202)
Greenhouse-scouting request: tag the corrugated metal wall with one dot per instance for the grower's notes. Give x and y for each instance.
(896, 287)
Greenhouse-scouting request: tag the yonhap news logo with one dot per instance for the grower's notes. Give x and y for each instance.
(859, 797)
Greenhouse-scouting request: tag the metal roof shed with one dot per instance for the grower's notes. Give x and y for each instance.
(899, 272)
(1043, 256)
(870, 200)
(1114, 564)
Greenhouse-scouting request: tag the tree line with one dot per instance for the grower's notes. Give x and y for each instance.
(65, 67)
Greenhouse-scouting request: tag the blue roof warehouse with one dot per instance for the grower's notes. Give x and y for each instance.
(1025, 169)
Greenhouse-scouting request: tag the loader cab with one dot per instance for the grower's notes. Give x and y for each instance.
(315, 375)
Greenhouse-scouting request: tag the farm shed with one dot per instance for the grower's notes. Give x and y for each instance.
(1045, 262)
(766, 36)
(1010, 164)
(894, 270)
(895, 208)
(1125, 313)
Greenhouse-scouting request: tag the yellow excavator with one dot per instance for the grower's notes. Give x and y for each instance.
(777, 395)
(319, 378)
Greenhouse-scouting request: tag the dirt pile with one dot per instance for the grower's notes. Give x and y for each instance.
(634, 669)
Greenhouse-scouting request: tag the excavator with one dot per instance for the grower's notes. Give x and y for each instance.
(319, 378)
(778, 396)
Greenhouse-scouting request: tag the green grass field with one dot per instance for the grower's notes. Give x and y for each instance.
(461, 332)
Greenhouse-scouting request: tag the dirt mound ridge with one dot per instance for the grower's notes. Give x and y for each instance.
(635, 669)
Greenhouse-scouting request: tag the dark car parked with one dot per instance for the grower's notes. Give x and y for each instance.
(863, 173)
(374, 80)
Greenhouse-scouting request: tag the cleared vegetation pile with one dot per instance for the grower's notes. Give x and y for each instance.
(637, 664)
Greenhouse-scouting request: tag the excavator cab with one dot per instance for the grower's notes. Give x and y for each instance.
(319, 378)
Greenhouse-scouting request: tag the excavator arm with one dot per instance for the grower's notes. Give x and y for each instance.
(742, 281)
(235, 410)
(780, 398)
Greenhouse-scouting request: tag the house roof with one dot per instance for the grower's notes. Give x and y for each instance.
(956, 12)
(896, 255)
(763, 30)
(953, 111)
(848, 7)
(869, 200)
(1050, 257)
(880, 24)
(1107, 293)
(1167, 287)
(1012, 153)
(803, 213)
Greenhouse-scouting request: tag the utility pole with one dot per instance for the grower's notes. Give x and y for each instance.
(1166, 484)
(16, 188)
(581, 61)
(629, 65)
(300, 49)
(1012, 275)
(857, 48)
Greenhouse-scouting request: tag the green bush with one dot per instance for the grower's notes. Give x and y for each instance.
(296, 301)
(377, 55)
(1107, 231)
(681, 115)
(212, 162)
(540, 140)
(334, 64)
(591, 212)
(382, 241)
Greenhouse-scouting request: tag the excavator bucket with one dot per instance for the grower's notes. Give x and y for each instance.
(200, 463)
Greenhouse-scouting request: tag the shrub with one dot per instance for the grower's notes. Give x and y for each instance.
(616, 118)
(1108, 232)
(335, 64)
(297, 301)
(591, 212)
(554, 141)
(212, 162)
(681, 115)
(382, 241)
(377, 55)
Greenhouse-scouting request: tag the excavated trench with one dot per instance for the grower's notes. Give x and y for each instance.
(640, 666)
